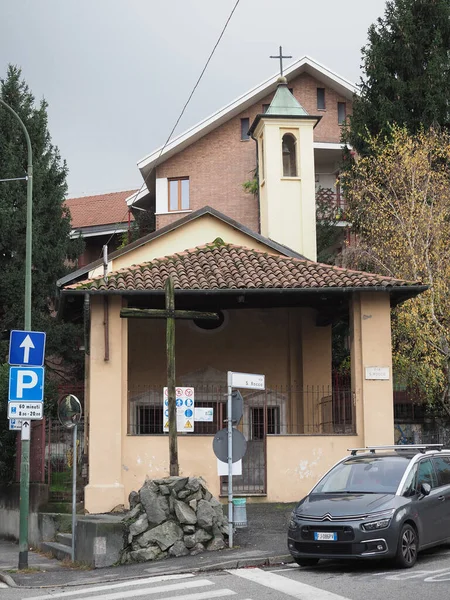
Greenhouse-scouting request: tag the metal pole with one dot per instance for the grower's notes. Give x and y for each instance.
(25, 455)
(74, 489)
(230, 461)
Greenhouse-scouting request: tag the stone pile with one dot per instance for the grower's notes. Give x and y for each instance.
(175, 516)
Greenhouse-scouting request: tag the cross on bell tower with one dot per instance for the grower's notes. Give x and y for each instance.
(280, 57)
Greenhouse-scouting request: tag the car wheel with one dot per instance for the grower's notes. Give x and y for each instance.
(408, 544)
(306, 562)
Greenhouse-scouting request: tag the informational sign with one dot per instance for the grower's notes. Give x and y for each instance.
(26, 410)
(27, 348)
(185, 409)
(26, 384)
(15, 424)
(204, 414)
(26, 430)
(377, 373)
(222, 468)
(249, 381)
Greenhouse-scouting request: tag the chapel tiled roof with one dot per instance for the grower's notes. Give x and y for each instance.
(220, 266)
(102, 209)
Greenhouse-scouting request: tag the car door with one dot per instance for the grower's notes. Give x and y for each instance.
(427, 506)
(442, 467)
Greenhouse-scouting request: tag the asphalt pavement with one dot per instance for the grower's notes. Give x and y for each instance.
(263, 542)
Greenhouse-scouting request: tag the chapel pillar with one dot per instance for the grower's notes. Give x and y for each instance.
(108, 367)
(371, 367)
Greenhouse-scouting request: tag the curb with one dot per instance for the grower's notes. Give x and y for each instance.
(264, 561)
(5, 578)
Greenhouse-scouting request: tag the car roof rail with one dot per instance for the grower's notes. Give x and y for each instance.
(405, 447)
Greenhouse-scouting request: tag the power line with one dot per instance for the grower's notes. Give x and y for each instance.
(181, 114)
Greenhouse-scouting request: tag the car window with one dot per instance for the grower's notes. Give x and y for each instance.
(426, 474)
(376, 475)
(409, 489)
(442, 466)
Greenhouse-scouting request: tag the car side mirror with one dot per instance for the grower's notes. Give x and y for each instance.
(425, 489)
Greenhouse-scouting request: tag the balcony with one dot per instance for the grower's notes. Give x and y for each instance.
(331, 205)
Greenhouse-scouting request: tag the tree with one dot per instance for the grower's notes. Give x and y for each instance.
(407, 71)
(399, 204)
(51, 224)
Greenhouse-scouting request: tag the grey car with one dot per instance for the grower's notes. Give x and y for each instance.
(380, 501)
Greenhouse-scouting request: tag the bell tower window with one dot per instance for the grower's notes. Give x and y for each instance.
(289, 150)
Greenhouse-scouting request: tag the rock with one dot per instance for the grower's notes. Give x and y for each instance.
(120, 508)
(164, 489)
(165, 535)
(189, 529)
(176, 483)
(216, 544)
(139, 526)
(134, 512)
(193, 505)
(202, 536)
(150, 553)
(178, 549)
(195, 496)
(193, 484)
(197, 549)
(156, 507)
(133, 499)
(183, 494)
(184, 513)
(189, 541)
(205, 514)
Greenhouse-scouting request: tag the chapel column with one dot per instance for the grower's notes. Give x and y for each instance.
(107, 393)
(371, 359)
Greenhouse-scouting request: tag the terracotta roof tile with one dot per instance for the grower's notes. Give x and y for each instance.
(102, 209)
(225, 266)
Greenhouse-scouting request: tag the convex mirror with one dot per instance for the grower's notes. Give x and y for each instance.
(69, 411)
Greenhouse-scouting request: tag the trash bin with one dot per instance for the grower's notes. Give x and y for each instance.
(240, 512)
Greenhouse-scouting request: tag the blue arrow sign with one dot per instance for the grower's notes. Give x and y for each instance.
(26, 384)
(27, 348)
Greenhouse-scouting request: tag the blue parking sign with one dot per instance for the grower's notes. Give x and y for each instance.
(26, 384)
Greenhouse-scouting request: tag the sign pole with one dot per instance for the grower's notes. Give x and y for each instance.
(74, 489)
(230, 459)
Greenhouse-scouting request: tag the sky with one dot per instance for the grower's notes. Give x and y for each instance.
(117, 73)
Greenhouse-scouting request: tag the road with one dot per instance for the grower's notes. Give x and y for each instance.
(328, 581)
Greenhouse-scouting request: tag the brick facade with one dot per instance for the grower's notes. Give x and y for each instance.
(219, 163)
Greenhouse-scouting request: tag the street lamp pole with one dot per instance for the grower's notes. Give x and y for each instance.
(25, 456)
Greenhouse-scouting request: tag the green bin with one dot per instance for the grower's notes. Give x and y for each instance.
(240, 512)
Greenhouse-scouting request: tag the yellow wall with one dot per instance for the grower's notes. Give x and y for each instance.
(202, 230)
(296, 462)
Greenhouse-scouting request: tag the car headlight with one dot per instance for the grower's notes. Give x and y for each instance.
(293, 523)
(374, 525)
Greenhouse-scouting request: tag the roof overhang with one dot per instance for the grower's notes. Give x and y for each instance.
(96, 230)
(304, 65)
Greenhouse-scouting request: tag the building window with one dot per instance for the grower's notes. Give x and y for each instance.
(321, 98)
(265, 107)
(288, 145)
(245, 126)
(342, 112)
(179, 194)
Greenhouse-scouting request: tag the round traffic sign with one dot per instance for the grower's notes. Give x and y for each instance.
(220, 445)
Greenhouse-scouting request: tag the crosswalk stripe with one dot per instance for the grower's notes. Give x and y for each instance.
(146, 591)
(285, 585)
(112, 586)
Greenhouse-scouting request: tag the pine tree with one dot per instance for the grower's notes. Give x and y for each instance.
(51, 227)
(407, 71)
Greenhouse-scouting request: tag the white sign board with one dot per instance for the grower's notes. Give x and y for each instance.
(15, 425)
(26, 430)
(249, 381)
(377, 373)
(184, 397)
(26, 410)
(222, 468)
(204, 414)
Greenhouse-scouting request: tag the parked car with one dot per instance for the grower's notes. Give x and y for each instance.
(383, 501)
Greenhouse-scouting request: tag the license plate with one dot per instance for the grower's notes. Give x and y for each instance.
(325, 536)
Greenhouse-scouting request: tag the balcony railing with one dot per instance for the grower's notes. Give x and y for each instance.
(332, 203)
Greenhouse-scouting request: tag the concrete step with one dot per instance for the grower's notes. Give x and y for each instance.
(65, 539)
(59, 551)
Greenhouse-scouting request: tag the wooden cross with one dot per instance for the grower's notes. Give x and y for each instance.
(280, 56)
(170, 314)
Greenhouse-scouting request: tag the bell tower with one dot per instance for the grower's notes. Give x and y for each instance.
(284, 138)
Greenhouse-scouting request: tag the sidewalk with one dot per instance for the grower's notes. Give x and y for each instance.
(262, 542)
